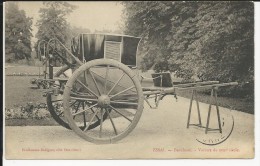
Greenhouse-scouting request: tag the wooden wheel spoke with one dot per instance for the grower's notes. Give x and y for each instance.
(84, 119)
(126, 97)
(87, 88)
(60, 113)
(101, 123)
(83, 99)
(83, 105)
(77, 109)
(106, 77)
(86, 128)
(124, 103)
(96, 115)
(79, 93)
(112, 122)
(85, 109)
(83, 95)
(95, 82)
(120, 113)
(64, 74)
(94, 112)
(126, 100)
(122, 92)
(116, 84)
(73, 103)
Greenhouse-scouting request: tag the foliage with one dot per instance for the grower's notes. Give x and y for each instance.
(53, 23)
(17, 33)
(210, 40)
(29, 111)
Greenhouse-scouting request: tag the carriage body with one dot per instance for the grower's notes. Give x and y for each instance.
(122, 48)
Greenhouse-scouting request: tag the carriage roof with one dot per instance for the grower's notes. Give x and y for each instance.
(122, 48)
(110, 34)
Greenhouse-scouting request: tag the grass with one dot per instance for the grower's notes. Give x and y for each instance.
(19, 92)
(10, 69)
(228, 102)
(18, 89)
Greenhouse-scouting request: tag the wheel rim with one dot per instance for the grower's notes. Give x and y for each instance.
(106, 85)
(54, 103)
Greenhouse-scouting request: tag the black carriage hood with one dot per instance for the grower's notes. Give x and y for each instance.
(122, 48)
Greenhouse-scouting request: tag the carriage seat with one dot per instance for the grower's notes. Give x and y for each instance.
(162, 79)
(159, 80)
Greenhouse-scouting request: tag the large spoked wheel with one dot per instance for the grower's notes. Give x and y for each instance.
(105, 85)
(55, 103)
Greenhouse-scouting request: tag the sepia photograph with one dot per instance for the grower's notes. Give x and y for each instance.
(98, 80)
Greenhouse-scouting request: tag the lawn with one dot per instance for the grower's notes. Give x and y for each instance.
(228, 102)
(18, 89)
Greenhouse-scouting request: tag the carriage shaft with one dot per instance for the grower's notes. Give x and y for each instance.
(160, 90)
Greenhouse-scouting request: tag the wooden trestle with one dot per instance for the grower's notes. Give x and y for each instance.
(160, 92)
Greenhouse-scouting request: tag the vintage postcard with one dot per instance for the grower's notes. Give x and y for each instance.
(129, 80)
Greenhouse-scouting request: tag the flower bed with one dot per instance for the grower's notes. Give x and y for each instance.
(29, 111)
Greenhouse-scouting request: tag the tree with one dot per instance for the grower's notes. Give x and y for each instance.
(219, 38)
(18, 34)
(220, 44)
(151, 21)
(211, 40)
(53, 24)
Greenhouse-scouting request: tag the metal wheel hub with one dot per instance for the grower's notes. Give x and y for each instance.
(103, 101)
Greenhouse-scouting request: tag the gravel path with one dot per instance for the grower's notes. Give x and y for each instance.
(161, 133)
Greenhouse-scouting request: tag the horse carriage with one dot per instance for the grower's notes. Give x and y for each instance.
(103, 99)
